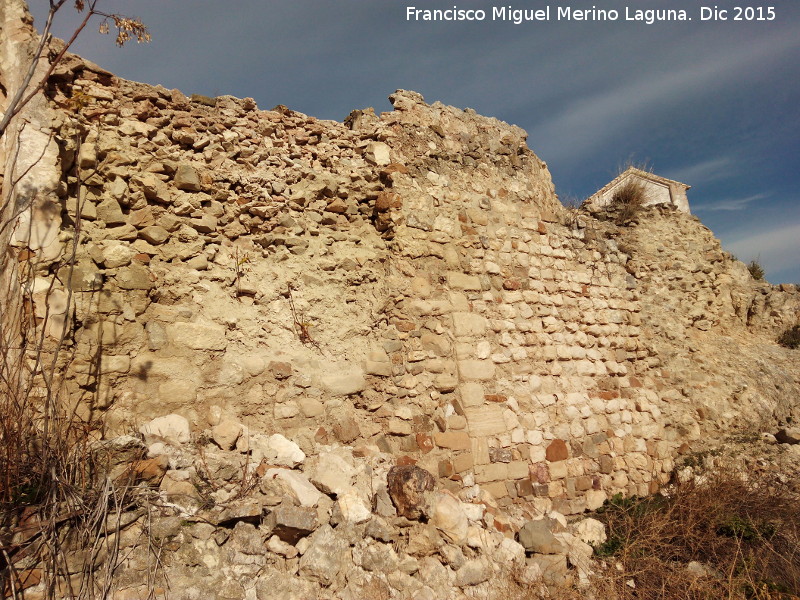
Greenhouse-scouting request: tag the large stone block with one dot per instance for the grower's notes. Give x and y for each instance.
(462, 281)
(344, 383)
(197, 336)
(469, 324)
(485, 420)
(476, 370)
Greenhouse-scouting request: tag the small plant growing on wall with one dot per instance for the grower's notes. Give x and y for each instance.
(628, 200)
(756, 270)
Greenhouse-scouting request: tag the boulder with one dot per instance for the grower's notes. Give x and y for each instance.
(407, 485)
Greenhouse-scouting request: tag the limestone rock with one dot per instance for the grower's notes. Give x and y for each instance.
(377, 153)
(447, 515)
(110, 212)
(302, 489)
(590, 531)
(332, 474)
(172, 428)
(290, 523)
(353, 508)
(154, 234)
(473, 572)
(226, 433)
(537, 536)
(198, 336)
(276, 450)
(186, 178)
(344, 383)
(325, 557)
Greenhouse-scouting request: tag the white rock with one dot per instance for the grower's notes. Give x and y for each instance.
(276, 450)
(508, 551)
(304, 491)
(332, 474)
(353, 508)
(172, 428)
(377, 153)
(448, 517)
(590, 531)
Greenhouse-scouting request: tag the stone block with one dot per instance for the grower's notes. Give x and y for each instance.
(518, 469)
(557, 450)
(197, 336)
(453, 440)
(491, 472)
(469, 324)
(311, 407)
(462, 281)
(463, 462)
(497, 489)
(485, 420)
(344, 383)
(476, 370)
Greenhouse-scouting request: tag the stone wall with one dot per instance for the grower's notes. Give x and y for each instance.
(406, 282)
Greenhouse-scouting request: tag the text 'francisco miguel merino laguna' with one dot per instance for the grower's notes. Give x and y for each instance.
(557, 13)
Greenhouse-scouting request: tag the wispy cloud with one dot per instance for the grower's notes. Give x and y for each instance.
(729, 205)
(777, 249)
(595, 119)
(704, 172)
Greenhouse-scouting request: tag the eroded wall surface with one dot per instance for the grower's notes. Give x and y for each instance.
(406, 281)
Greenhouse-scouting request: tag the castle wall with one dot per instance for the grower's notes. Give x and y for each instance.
(405, 283)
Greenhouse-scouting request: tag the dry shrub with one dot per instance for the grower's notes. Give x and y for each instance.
(756, 270)
(790, 338)
(628, 200)
(743, 537)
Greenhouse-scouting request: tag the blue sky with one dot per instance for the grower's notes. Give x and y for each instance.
(715, 104)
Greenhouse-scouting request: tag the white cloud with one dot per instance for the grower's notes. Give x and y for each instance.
(710, 170)
(731, 204)
(776, 249)
(595, 119)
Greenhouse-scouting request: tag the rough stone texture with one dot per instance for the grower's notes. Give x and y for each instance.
(448, 517)
(406, 286)
(290, 523)
(172, 428)
(537, 536)
(326, 556)
(407, 486)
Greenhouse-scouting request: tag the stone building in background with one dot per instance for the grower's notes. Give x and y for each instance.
(657, 190)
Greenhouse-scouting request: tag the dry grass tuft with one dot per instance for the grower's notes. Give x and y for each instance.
(727, 537)
(628, 200)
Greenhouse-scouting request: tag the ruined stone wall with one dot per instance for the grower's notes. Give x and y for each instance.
(405, 282)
